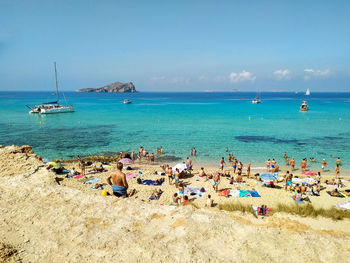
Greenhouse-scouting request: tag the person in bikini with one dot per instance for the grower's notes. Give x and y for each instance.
(117, 180)
(268, 163)
(292, 164)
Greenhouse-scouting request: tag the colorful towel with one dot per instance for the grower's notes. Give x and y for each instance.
(130, 175)
(244, 193)
(79, 176)
(93, 180)
(150, 182)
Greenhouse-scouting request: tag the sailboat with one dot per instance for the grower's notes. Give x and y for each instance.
(52, 107)
(307, 92)
(257, 100)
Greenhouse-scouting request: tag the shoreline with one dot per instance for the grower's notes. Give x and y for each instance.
(55, 218)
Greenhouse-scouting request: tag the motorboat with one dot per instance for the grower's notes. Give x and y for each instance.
(126, 101)
(52, 107)
(304, 106)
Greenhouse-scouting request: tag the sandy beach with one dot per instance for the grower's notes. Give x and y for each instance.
(49, 218)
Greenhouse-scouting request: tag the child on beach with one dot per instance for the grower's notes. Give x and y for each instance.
(176, 199)
(177, 177)
(268, 162)
(323, 164)
(181, 189)
(209, 201)
(185, 201)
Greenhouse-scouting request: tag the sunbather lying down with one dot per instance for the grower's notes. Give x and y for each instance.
(98, 186)
(157, 193)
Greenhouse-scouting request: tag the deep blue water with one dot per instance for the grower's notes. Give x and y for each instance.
(178, 121)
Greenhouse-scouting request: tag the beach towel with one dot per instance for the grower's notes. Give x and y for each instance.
(99, 188)
(194, 191)
(150, 182)
(130, 175)
(245, 193)
(225, 192)
(79, 176)
(309, 173)
(345, 205)
(335, 194)
(106, 166)
(91, 181)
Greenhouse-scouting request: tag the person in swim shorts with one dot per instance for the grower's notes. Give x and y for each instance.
(234, 165)
(292, 164)
(216, 182)
(222, 161)
(117, 180)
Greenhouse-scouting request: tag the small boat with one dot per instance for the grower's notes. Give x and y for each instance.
(257, 100)
(126, 101)
(52, 107)
(307, 93)
(304, 106)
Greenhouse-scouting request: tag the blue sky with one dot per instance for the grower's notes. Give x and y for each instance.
(176, 45)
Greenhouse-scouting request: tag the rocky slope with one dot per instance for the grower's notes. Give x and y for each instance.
(48, 222)
(114, 87)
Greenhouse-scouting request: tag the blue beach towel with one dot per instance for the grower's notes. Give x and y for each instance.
(150, 182)
(93, 180)
(254, 193)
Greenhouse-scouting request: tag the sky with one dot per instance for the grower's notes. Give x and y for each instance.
(178, 45)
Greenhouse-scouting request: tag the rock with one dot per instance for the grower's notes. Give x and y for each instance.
(113, 87)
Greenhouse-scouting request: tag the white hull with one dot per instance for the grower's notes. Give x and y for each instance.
(256, 101)
(52, 109)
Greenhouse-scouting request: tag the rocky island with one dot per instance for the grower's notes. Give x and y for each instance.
(113, 87)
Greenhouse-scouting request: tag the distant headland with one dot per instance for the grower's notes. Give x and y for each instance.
(113, 87)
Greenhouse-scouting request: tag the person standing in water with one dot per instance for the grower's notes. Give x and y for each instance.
(323, 164)
(292, 164)
(338, 162)
(287, 161)
(191, 152)
(194, 151)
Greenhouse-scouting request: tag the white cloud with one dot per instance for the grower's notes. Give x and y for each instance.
(282, 74)
(314, 73)
(241, 77)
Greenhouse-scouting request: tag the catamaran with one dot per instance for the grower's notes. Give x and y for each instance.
(257, 100)
(52, 107)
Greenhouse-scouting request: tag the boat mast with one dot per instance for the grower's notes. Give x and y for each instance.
(56, 82)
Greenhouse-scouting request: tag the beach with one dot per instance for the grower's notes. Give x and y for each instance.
(48, 217)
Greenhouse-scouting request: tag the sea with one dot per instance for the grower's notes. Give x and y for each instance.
(208, 121)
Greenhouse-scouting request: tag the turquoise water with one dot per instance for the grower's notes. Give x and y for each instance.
(179, 121)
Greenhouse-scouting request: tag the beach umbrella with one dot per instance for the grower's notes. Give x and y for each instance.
(180, 166)
(309, 173)
(268, 177)
(125, 161)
